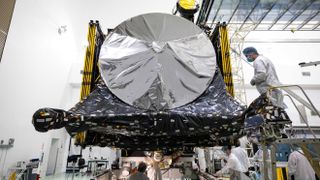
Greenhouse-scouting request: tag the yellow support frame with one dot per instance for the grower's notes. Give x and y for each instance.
(87, 73)
(226, 61)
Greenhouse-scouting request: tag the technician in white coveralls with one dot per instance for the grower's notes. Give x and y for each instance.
(237, 164)
(299, 167)
(265, 75)
(258, 156)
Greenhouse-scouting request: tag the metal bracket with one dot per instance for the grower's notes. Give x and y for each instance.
(304, 64)
(6, 146)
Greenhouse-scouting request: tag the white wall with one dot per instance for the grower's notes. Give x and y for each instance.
(36, 64)
(284, 51)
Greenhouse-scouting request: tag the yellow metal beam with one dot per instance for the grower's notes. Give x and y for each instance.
(226, 61)
(87, 73)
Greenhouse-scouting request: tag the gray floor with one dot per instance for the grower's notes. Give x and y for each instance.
(78, 177)
(66, 177)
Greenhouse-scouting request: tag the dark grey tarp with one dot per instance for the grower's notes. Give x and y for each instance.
(212, 117)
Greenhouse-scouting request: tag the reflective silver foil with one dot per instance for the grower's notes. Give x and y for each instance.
(157, 61)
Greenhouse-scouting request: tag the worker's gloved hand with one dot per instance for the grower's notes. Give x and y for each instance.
(252, 82)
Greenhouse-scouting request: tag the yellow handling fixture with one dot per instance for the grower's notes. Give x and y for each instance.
(87, 72)
(226, 61)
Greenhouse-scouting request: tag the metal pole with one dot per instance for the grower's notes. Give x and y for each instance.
(73, 169)
(273, 162)
(264, 159)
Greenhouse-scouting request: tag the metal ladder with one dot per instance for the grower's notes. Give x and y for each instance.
(305, 144)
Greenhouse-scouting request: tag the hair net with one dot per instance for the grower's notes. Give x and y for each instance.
(250, 50)
(142, 167)
(224, 148)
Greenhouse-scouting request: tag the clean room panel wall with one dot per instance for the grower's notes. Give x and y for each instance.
(36, 67)
(33, 74)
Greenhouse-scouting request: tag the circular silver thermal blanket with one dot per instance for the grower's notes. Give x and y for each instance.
(157, 61)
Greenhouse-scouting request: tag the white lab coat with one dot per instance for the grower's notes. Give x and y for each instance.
(242, 156)
(299, 166)
(154, 173)
(201, 159)
(265, 76)
(258, 156)
(244, 142)
(138, 176)
(237, 164)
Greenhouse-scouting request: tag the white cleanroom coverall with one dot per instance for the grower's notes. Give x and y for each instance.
(139, 176)
(258, 156)
(299, 166)
(237, 164)
(154, 173)
(265, 76)
(242, 156)
(201, 159)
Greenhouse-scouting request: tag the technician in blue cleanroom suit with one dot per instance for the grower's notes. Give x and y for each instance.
(265, 75)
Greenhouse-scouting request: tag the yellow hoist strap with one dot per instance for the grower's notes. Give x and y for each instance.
(226, 61)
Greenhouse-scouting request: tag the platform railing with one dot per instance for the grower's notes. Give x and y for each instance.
(300, 142)
(308, 104)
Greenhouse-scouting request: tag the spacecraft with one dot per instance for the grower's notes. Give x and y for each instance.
(159, 89)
